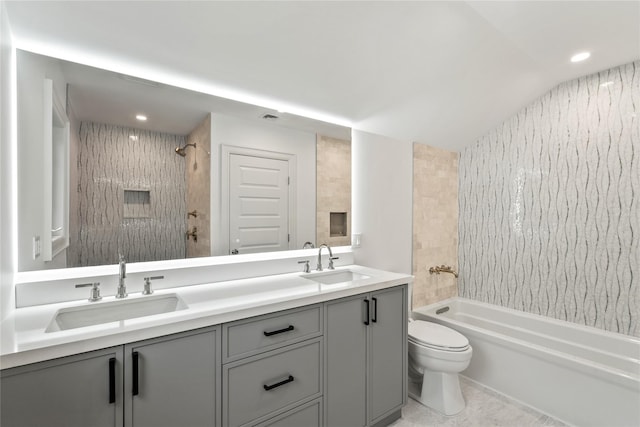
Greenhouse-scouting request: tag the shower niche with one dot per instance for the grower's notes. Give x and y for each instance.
(137, 203)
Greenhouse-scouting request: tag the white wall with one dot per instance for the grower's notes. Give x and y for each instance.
(32, 70)
(7, 266)
(261, 135)
(382, 201)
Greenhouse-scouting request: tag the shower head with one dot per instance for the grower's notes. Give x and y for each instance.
(180, 150)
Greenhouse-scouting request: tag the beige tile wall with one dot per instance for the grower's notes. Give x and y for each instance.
(333, 187)
(198, 170)
(435, 223)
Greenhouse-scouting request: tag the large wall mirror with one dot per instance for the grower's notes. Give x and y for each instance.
(110, 164)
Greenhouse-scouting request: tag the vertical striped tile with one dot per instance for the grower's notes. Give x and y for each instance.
(549, 218)
(110, 162)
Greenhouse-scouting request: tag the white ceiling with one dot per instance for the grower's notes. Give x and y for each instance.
(440, 73)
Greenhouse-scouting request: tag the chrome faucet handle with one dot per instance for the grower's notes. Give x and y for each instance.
(122, 267)
(331, 267)
(147, 284)
(121, 292)
(306, 268)
(95, 291)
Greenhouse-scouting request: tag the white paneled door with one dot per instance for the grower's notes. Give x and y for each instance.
(258, 204)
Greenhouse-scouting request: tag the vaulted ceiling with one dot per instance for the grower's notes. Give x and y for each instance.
(440, 73)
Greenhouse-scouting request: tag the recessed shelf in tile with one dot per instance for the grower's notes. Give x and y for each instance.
(337, 224)
(137, 204)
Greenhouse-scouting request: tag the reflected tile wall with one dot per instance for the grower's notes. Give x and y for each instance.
(198, 170)
(110, 162)
(549, 212)
(333, 188)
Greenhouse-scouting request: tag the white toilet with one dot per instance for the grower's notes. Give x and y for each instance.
(436, 355)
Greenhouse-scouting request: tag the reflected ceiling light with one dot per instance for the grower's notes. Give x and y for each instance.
(605, 84)
(580, 56)
(141, 117)
(133, 137)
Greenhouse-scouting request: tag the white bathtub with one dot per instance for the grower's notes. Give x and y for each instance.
(577, 374)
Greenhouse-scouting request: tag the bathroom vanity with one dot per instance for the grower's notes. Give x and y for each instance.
(282, 350)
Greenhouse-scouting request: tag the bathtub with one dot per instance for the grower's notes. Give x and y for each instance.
(580, 375)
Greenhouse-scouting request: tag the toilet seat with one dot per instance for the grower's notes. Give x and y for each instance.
(437, 337)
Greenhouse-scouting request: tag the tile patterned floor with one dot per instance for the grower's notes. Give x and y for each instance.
(485, 408)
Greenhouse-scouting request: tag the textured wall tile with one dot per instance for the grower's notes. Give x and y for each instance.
(549, 219)
(110, 162)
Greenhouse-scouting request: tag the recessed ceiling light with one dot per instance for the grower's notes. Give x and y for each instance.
(141, 117)
(580, 56)
(605, 84)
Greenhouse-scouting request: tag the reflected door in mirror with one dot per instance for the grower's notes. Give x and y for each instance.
(258, 204)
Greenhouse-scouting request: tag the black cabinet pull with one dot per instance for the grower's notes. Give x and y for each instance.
(135, 386)
(374, 319)
(279, 331)
(366, 322)
(283, 382)
(112, 380)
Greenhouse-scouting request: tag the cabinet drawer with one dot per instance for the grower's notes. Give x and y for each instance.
(250, 336)
(276, 380)
(307, 415)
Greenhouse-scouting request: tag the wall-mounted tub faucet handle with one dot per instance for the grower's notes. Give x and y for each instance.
(95, 291)
(147, 284)
(193, 233)
(306, 268)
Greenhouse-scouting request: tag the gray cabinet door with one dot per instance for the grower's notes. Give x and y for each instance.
(177, 380)
(82, 390)
(346, 362)
(387, 352)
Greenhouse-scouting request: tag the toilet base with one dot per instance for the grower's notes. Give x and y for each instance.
(439, 391)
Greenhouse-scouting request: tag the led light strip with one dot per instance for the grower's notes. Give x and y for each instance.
(127, 67)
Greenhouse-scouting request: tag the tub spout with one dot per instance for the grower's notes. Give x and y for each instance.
(443, 269)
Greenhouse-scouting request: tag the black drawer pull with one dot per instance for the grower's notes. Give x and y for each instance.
(374, 319)
(112, 380)
(279, 331)
(368, 316)
(135, 388)
(283, 382)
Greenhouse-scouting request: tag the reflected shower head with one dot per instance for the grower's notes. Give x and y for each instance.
(180, 150)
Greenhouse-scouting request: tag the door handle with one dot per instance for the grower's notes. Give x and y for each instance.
(135, 388)
(367, 315)
(112, 380)
(374, 319)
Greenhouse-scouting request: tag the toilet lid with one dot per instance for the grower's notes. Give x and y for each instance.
(434, 335)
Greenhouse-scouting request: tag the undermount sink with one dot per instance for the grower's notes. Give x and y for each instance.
(114, 311)
(335, 277)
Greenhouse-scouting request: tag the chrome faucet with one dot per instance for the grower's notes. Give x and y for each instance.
(122, 289)
(331, 257)
(95, 291)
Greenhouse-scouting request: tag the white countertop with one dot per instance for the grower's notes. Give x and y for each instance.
(23, 338)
